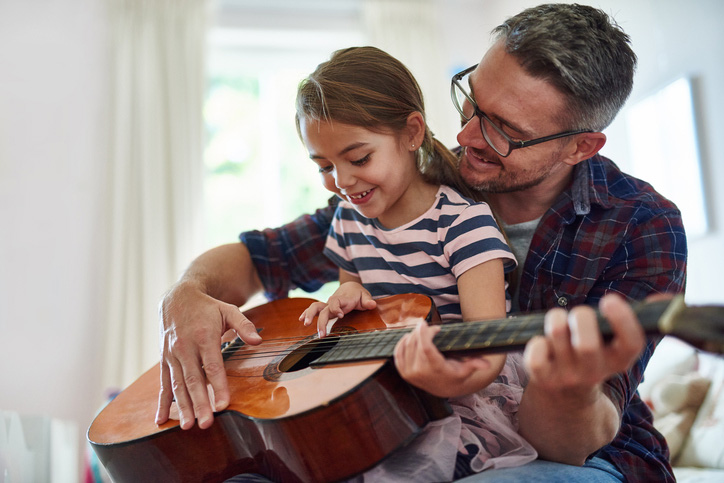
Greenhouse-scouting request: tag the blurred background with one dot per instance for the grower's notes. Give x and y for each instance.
(136, 134)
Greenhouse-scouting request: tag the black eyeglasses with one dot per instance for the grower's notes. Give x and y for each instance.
(493, 134)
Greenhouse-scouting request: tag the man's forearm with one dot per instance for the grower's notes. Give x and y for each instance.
(568, 428)
(226, 273)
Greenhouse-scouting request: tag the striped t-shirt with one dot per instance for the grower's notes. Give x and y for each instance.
(426, 255)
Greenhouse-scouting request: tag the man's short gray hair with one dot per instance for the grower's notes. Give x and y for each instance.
(581, 51)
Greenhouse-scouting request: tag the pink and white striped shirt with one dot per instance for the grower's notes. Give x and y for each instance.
(426, 255)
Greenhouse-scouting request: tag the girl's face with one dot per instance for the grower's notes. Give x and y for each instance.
(374, 171)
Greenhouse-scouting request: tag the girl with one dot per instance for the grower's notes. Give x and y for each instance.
(406, 223)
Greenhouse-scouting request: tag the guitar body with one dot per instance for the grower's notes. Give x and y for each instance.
(287, 420)
(304, 409)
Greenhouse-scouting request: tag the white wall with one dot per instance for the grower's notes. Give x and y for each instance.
(53, 111)
(52, 175)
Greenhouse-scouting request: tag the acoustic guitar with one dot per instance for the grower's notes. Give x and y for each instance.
(305, 409)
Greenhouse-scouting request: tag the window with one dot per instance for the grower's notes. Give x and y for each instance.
(665, 151)
(258, 173)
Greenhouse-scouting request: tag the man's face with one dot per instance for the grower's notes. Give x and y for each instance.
(525, 108)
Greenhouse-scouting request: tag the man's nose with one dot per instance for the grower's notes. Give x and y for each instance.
(470, 133)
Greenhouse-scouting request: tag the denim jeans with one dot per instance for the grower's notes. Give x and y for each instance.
(596, 470)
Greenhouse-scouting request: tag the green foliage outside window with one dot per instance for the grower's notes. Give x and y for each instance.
(258, 173)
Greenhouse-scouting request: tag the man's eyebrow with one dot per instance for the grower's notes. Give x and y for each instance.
(495, 117)
(349, 148)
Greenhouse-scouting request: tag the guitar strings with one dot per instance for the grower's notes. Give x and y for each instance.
(506, 333)
(360, 338)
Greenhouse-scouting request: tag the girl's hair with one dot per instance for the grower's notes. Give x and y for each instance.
(366, 87)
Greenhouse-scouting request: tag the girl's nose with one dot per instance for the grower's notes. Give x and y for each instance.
(343, 178)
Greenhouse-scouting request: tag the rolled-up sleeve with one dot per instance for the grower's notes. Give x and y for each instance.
(292, 255)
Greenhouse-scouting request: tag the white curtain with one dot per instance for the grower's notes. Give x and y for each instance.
(409, 31)
(156, 172)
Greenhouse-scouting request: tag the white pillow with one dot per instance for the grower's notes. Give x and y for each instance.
(705, 444)
(671, 356)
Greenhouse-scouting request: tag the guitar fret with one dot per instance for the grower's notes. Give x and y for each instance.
(376, 350)
(384, 347)
(450, 336)
(501, 333)
(361, 346)
(522, 331)
(516, 331)
(489, 341)
(357, 344)
(391, 339)
(481, 330)
(354, 347)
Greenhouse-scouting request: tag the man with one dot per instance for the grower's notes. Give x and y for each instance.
(533, 112)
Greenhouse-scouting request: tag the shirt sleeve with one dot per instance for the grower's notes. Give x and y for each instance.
(292, 255)
(475, 238)
(652, 260)
(336, 247)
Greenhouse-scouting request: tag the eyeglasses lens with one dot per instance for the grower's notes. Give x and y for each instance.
(491, 133)
(494, 137)
(462, 104)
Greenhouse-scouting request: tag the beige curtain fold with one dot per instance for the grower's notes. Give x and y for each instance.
(156, 174)
(409, 30)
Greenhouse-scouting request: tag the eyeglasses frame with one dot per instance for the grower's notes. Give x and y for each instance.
(512, 145)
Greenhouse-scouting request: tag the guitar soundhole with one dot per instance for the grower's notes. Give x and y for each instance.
(301, 357)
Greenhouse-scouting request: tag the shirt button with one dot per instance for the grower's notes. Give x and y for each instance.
(562, 301)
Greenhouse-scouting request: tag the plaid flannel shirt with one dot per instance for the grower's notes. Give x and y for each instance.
(609, 232)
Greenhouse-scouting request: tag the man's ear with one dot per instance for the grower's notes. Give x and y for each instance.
(584, 146)
(415, 130)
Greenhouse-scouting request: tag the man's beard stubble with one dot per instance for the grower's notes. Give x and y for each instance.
(508, 181)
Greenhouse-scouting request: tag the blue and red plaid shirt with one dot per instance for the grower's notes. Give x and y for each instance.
(608, 232)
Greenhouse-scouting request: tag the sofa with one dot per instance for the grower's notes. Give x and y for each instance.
(685, 389)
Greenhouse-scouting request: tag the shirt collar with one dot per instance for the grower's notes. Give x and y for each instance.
(590, 185)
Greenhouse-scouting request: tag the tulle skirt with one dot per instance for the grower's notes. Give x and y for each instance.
(486, 422)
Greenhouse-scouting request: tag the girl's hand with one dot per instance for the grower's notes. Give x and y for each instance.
(421, 364)
(348, 297)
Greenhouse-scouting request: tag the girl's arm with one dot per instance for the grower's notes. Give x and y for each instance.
(482, 296)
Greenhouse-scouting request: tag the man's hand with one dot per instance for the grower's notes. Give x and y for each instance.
(565, 412)
(572, 356)
(192, 324)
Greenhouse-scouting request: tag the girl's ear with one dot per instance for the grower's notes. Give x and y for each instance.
(584, 147)
(414, 131)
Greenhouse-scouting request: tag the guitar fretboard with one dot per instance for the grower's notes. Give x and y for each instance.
(484, 336)
(497, 335)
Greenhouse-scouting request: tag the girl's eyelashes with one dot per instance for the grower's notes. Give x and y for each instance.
(361, 162)
(358, 163)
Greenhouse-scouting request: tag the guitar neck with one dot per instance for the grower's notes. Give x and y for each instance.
(513, 333)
